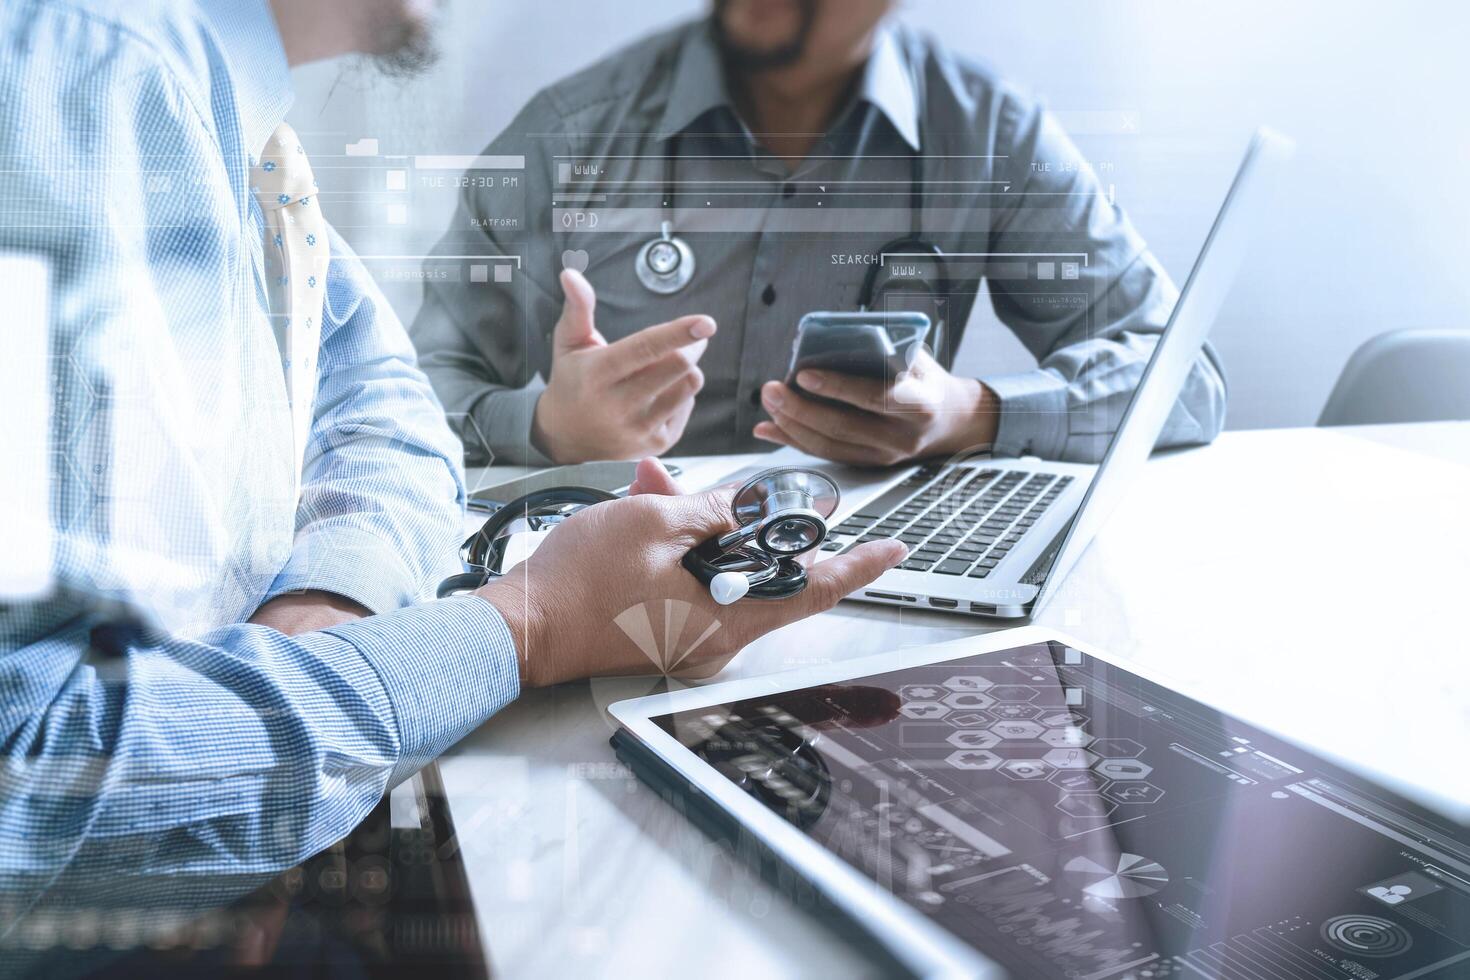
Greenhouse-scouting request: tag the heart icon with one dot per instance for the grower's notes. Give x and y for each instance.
(574, 259)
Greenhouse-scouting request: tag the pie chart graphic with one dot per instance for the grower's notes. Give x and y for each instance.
(1134, 876)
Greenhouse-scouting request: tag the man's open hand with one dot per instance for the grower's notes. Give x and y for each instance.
(621, 400)
(563, 603)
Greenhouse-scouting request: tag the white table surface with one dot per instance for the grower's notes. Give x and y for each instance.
(1315, 582)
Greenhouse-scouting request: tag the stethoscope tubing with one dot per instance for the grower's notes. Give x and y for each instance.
(484, 550)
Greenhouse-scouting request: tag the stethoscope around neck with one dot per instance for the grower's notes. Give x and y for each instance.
(666, 264)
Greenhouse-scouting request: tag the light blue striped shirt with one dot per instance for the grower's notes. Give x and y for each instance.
(186, 762)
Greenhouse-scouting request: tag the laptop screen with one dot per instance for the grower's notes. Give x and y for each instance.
(1204, 292)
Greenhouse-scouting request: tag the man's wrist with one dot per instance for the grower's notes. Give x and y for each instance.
(534, 656)
(540, 440)
(306, 612)
(558, 450)
(975, 417)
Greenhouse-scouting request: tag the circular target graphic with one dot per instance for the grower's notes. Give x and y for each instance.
(1366, 935)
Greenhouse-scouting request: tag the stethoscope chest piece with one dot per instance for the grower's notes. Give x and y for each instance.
(665, 264)
(781, 513)
(787, 508)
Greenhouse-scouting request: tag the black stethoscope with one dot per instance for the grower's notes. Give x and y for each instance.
(780, 514)
(665, 265)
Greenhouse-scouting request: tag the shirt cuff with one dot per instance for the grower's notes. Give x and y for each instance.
(446, 666)
(348, 561)
(1033, 414)
(502, 428)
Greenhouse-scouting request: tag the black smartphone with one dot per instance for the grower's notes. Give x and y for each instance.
(875, 344)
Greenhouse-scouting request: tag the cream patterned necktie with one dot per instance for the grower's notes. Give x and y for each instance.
(296, 258)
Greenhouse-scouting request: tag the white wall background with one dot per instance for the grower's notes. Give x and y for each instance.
(1373, 231)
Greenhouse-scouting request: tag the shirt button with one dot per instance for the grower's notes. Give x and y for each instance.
(769, 296)
(788, 190)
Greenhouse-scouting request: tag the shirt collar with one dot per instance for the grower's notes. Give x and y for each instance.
(888, 85)
(698, 85)
(252, 44)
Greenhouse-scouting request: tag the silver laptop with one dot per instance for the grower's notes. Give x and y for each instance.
(991, 536)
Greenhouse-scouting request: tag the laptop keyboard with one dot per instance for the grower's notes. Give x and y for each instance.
(955, 521)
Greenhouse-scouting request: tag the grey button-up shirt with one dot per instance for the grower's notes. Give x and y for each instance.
(650, 134)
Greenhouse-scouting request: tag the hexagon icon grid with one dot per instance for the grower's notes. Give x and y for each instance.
(1069, 758)
(968, 682)
(971, 719)
(1086, 805)
(971, 700)
(973, 759)
(974, 739)
(1078, 781)
(1124, 769)
(1025, 768)
(923, 709)
(1017, 729)
(1015, 711)
(1133, 792)
(1070, 737)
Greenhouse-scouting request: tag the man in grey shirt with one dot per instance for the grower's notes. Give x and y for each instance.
(793, 147)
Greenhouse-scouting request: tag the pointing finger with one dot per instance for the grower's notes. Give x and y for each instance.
(835, 578)
(637, 351)
(646, 385)
(827, 584)
(673, 397)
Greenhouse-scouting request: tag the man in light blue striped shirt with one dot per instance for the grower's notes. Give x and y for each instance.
(231, 670)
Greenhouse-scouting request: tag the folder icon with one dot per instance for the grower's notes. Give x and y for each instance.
(365, 147)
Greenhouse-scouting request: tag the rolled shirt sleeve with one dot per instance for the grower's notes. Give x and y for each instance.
(383, 491)
(1090, 357)
(113, 797)
(487, 349)
(151, 757)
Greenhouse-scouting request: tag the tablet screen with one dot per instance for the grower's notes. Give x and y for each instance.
(1070, 819)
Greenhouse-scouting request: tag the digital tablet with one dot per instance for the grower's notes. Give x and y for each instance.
(1020, 805)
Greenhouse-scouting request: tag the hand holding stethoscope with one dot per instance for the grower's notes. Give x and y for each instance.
(780, 514)
(605, 591)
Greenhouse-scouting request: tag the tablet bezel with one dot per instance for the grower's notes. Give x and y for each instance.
(922, 946)
(912, 938)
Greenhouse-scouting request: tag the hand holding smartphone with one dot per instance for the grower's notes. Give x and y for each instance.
(874, 344)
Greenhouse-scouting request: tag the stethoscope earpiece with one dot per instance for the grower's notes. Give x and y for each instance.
(728, 587)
